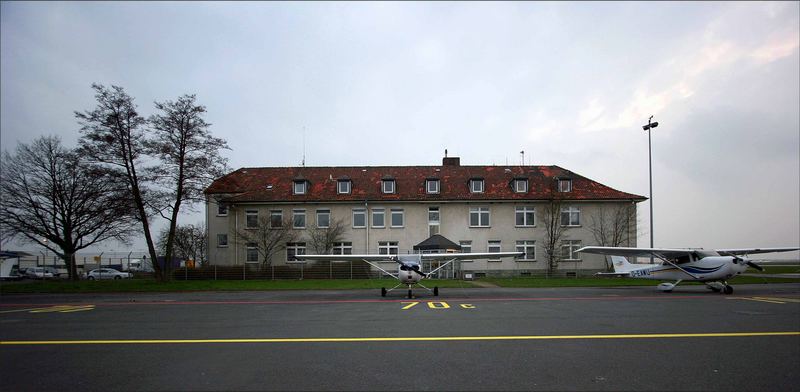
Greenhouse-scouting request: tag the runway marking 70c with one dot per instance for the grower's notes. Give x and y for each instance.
(435, 305)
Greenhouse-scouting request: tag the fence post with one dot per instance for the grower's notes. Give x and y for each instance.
(351, 269)
(244, 271)
(301, 271)
(215, 272)
(272, 268)
(330, 270)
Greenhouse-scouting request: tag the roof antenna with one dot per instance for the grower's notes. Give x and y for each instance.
(445, 153)
(523, 157)
(304, 147)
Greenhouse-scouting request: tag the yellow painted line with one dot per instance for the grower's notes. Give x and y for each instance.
(79, 309)
(20, 310)
(403, 339)
(62, 308)
(760, 300)
(795, 300)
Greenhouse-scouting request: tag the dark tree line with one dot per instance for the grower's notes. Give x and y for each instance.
(129, 167)
(53, 198)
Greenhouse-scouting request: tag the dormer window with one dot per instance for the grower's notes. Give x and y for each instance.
(521, 185)
(300, 187)
(387, 186)
(343, 187)
(476, 185)
(432, 185)
(565, 185)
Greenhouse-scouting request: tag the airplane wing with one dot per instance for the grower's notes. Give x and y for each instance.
(346, 258)
(751, 251)
(635, 252)
(369, 259)
(469, 256)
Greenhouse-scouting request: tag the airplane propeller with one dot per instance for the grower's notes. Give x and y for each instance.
(754, 265)
(415, 267)
(749, 263)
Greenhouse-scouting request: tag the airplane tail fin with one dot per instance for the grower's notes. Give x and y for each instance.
(621, 264)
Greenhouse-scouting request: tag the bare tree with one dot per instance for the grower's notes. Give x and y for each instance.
(613, 226)
(553, 232)
(269, 239)
(322, 239)
(113, 135)
(189, 159)
(53, 199)
(190, 242)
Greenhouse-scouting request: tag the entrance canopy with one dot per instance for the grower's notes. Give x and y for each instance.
(437, 242)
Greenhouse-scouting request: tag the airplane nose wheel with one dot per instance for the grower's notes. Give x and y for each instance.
(435, 291)
(383, 291)
(727, 290)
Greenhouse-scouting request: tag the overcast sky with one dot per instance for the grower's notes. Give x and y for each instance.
(571, 84)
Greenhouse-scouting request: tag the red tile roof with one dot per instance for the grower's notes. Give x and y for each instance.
(275, 184)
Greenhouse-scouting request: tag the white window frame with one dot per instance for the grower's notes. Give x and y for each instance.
(521, 186)
(476, 183)
(293, 249)
(347, 184)
(222, 209)
(363, 213)
(434, 225)
(388, 248)
(396, 212)
(524, 211)
(322, 212)
(385, 186)
(432, 186)
(222, 240)
(480, 211)
(342, 248)
(565, 185)
(571, 212)
(382, 213)
(250, 214)
(296, 213)
(466, 247)
(494, 246)
(272, 215)
(300, 187)
(523, 246)
(251, 248)
(569, 247)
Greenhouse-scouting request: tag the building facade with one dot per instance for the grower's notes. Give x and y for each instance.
(389, 210)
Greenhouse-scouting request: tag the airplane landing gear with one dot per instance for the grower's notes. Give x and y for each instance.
(409, 294)
(383, 291)
(728, 289)
(435, 291)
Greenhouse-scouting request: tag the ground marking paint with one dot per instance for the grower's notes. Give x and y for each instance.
(63, 309)
(400, 339)
(760, 299)
(56, 308)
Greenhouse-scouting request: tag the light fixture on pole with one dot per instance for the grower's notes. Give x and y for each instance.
(650, 125)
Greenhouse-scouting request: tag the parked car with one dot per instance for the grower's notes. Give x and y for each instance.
(107, 273)
(38, 273)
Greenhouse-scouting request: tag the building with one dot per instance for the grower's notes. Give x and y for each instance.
(390, 209)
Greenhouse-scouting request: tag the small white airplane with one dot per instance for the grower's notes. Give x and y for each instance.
(408, 269)
(712, 267)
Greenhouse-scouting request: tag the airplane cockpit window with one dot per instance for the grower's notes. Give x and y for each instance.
(705, 253)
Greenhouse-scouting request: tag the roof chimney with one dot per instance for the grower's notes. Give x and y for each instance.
(451, 161)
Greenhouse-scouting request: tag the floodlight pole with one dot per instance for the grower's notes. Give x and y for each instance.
(650, 125)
